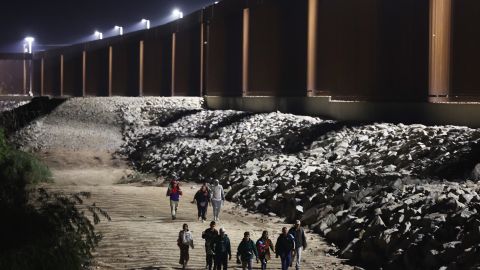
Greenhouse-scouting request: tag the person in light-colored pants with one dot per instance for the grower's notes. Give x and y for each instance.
(173, 207)
(298, 257)
(217, 199)
(217, 206)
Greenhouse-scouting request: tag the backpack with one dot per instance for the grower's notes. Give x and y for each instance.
(261, 247)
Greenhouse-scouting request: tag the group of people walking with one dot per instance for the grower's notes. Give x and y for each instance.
(218, 251)
(289, 244)
(203, 198)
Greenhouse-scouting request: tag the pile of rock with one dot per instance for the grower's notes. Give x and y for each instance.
(342, 180)
(210, 144)
(92, 123)
(402, 225)
(8, 105)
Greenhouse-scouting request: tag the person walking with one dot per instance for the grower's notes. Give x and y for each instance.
(174, 192)
(284, 247)
(223, 251)
(210, 236)
(298, 234)
(184, 242)
(202, 197)
(264, 245)
(218, 198)
(245, 252)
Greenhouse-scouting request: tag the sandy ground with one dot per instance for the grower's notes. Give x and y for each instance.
(141, 234)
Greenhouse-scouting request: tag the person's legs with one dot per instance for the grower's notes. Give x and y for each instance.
(209, 261)
(298, 257)
(219, 207)
(218, 263)
(199, 210)
(249, 264)
(244, 265)
(283, 260)
(225, 262)
(204, 213)
(264, 263)
(173, 208)
(215, 209)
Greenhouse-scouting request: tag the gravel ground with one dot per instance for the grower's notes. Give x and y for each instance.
(378, 191)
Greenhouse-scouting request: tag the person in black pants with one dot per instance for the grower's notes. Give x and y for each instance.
(202, 197)
(223, 250)
(284, 248)
(210, 236)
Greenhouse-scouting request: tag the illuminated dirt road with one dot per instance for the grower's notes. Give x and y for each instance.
(142, 235)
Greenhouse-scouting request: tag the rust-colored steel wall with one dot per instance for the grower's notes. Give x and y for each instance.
(12, 77)
(277, 63)
(157, 65)
(36, 84)
(373, 49)
(224, 48)
(187, 50)
(125, 68)
(380, 50)
(72, 78)
(465, 72)
(51, 75)
(96, 76)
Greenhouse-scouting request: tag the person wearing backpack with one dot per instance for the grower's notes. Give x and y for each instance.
(210, 236)
(174, 192)
(284, 247)
(264, 245)
(184, 242)
(223, 251)
(245, 252)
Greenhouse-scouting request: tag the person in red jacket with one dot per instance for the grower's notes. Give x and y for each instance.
(174, 192)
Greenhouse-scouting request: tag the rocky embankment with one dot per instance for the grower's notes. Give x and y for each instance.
(389, 196)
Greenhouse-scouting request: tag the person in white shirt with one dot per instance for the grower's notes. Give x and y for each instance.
(184, 242)
(218, 197)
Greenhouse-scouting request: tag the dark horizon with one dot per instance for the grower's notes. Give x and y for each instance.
(56, 23)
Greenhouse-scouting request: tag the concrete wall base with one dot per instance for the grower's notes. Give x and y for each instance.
(462, 114)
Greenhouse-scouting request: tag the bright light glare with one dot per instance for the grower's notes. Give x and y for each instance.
(147, 23)
(27, 47)
(98, 35)
(177, 13)
(120, 29)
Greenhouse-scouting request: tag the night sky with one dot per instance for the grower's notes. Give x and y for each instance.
(55, 22)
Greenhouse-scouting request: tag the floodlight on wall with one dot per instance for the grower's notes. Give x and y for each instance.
(119, 29)
(98, 35)
(146, 23)
(177, 14)
(28, 44)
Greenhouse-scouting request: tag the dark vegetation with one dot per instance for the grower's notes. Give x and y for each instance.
(39, 229)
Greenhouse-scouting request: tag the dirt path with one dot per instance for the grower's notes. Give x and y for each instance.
(141, 234)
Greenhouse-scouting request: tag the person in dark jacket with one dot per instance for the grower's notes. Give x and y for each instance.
(245, 252)
(264, 245)
(210, 235)
(300, 242)
(223, 251)
(284, 247)
(202, 197)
